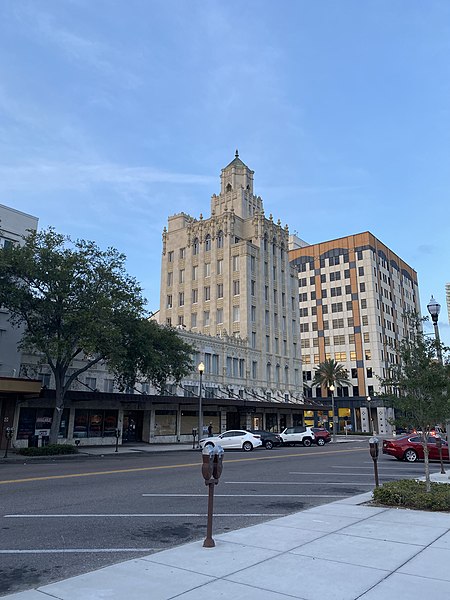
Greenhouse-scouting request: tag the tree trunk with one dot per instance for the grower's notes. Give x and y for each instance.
(427, 463)
(57, 413)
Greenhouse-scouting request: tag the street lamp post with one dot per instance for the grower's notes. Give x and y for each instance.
(369, 416)
(331, 388)
(201, 369)
(434, 308)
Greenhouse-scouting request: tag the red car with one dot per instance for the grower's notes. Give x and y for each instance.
(321, 436)
(409, 447)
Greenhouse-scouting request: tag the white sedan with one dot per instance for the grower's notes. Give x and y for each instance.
(236, 438)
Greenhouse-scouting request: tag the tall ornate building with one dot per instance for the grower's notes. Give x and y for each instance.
(229, 276)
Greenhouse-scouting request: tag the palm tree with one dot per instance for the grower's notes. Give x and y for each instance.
(329, 374)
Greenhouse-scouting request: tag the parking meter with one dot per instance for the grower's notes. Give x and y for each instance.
(208, 463)
(9, 434)
(212, 464)
(374, 449)
(218, 463)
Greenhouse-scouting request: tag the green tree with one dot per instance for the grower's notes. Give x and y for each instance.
(330, 374)
(419, 387)
(76, 301)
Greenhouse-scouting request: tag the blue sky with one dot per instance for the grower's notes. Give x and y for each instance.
(115, 114)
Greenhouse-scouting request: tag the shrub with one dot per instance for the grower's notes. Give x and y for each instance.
(49, 450)
(412, 494)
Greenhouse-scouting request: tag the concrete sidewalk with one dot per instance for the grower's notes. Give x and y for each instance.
(344, 550)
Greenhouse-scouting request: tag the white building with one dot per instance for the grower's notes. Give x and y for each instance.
(14, 226)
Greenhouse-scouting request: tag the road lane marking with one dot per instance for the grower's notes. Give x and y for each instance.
(77, 550)
(295, 483)
(162, 467)
(335, 473)
(246, 495)
(138, 515)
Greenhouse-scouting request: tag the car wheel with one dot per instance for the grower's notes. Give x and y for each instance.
(321, 442)
(307, 442)
(247, 446)
(411, 455)
(269, 445)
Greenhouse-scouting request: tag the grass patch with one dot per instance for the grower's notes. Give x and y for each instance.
(50, 450)
(412, 494)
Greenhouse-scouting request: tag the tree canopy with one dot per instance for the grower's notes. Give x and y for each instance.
(329, 372)
(418, 388)
(76, 301)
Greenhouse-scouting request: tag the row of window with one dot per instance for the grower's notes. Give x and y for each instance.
(309, 375)
(339, 356)
(341, 392)
(207, 271)
(206, 294)
(336, 340)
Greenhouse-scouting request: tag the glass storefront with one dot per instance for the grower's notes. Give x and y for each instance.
(132, 426)
(165, 422)
(94, 423)
(38, 421)
(309, 418)
(189, 421)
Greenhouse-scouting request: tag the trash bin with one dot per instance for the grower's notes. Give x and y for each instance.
(33, 441)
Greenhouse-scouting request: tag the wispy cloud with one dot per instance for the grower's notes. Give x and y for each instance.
(78, 48)
(51, 175)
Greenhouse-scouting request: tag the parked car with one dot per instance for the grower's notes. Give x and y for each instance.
(297, 435)
(269, 439)
(233, 439)
(321, 436)
(409, 448)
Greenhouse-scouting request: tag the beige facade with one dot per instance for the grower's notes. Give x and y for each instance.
(353, 296)
(228, 276)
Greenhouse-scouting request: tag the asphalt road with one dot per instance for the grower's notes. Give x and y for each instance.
(60, 518)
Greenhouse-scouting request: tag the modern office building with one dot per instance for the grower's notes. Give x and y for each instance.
(353, 295)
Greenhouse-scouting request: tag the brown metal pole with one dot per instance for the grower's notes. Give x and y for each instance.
(375, 468)
(209, 542)
(440, 458)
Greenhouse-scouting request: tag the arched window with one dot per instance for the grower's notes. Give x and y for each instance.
(229, 188)
(286, 375)
(208, 243)
(268, 373)
(195, 246)
(274, 246)
(282, 251)
(220, 239)
(266, 243)
(277, 374)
